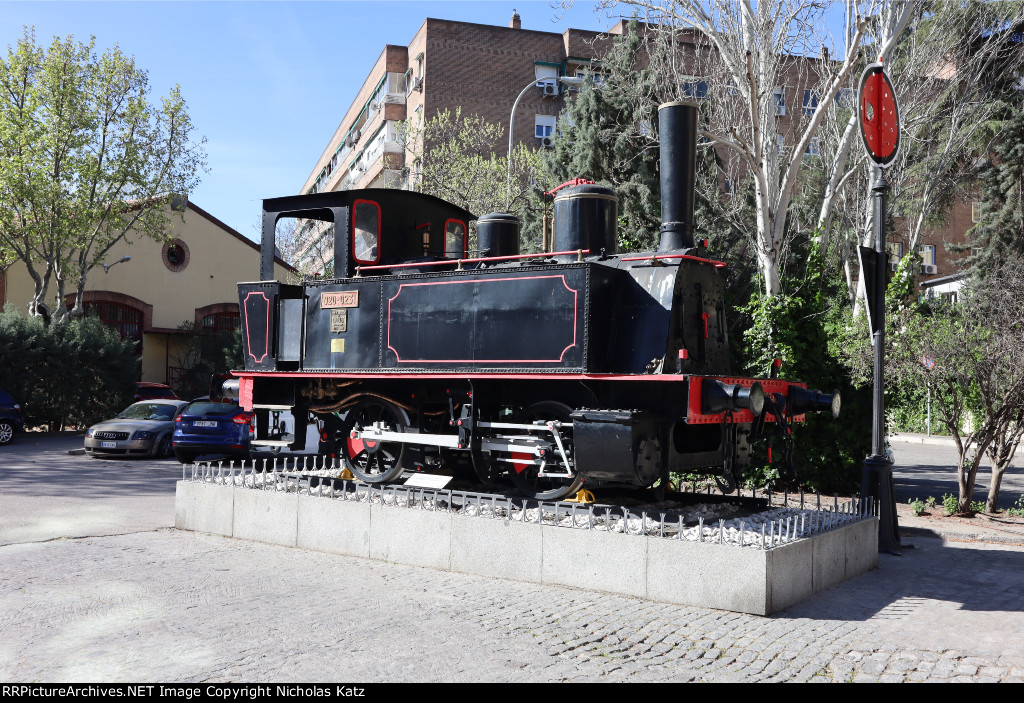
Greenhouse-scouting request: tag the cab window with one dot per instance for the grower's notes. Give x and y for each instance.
(454, 239)
(366, 232)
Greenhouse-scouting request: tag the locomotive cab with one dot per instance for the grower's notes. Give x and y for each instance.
(373, 227)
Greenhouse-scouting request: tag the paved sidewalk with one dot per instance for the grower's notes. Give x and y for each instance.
(155, 604)
(174, 606)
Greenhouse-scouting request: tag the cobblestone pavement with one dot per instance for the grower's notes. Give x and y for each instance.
(175, 606)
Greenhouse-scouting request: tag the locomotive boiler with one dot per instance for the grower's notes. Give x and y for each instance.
(549, 370)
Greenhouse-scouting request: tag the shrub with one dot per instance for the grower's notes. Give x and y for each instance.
(805, 328)
(71, 373)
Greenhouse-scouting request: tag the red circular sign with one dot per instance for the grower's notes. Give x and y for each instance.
(879, 115)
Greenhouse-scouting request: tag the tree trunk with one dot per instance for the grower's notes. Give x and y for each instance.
(992, 502)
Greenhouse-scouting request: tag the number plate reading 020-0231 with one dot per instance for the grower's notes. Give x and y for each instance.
(341, 299)
(339, 320)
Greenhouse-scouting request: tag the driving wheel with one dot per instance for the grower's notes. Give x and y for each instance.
(373, 461)
(526, 477)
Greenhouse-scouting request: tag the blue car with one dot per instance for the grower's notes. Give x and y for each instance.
(211, 427)
(11, 420)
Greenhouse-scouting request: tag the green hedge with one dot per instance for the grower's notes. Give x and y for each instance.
(75, 373)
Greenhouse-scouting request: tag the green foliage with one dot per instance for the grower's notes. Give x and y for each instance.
(917, 506)
(77, 373)
(464, 160)
(606, 136)
(951, 504)
(85, 157)
(805, 328)
(234, 356)
(205, 354)
(1017, 509)
(999, 233)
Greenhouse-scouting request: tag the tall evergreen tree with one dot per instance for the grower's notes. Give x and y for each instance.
(999, 234)
(604, 135)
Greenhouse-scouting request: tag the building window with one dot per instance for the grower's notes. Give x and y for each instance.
(366, 232)
(813, 147)
(547, 77)
(895, 250)
(124, 318)
(845, 98)
(221, 322)
(780, 101)
(455, 239)
(975, 211)
(695, 89)
(781, 144)
(810, 102)
(175, 255)
(591, 74)
(544, 126)
(927, 252)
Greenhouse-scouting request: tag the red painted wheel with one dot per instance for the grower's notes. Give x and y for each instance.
(373, 462)
(526, 477)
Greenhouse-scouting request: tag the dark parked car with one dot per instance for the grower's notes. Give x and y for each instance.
(150, 391)
(141, 429)
(11, 420)
(211, 427)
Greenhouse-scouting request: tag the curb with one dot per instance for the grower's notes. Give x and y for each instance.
(922, 439)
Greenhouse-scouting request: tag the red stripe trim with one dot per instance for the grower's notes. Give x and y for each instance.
(716, 264)
(575, 317)
(474, 261)
(553, 376)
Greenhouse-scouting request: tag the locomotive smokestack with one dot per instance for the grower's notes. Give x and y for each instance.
(677, 129)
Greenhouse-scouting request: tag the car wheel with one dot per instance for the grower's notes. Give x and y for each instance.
(163, 447)
(185, 457)
(6, 432)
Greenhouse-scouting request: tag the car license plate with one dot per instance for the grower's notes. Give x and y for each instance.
(108, 445)
(205, 423)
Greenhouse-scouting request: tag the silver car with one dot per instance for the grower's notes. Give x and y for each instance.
(143, 429)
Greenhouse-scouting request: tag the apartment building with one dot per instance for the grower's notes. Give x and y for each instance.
(447, 65)
(482, 69)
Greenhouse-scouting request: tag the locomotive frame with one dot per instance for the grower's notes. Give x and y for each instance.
(550, 369)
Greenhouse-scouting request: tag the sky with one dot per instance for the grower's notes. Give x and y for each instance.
(266, 82)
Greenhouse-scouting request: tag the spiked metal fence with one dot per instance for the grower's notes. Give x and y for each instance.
(780, 524)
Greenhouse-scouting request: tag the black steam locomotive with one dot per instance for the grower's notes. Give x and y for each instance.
(550, 369)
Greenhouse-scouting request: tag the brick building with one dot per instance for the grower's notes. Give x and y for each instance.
(448, 64)
(482, 69)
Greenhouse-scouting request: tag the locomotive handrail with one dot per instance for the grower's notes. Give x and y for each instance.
(460, 262)
(716, 264)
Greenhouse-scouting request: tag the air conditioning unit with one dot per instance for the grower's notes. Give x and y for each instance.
(548, 141)
(893, 265)
(929, 268)
(418, 84)
(550, 90)
(356, 134)
(780, 110)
